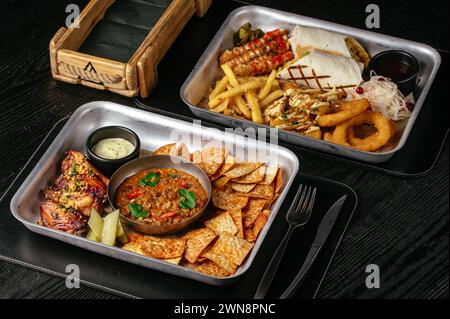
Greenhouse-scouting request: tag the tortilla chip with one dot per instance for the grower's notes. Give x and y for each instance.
(260, 191)
(162, 248)
(260, 221)
(278, 182)
(266, 212)
(241, 169)
(228, 201)
(272, 201)
(197, 241)
(221, 182)
(238, 221)
(226, 166)
(231, 248)
(254, 177)
(210, 159)
(269, 176)
(134, 247)
(210, 268)
(249, 235)
(222, 223)
(222, 261)
(175, 261)
(165, 149)
(242, 188)
(254, 208)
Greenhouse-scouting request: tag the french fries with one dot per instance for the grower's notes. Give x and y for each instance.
(220, 87)
(221, 107)
(244, 97)
(252, 101)
(270, 98)
(242, 106)
(234, 92)
(230, 75)
(268, 86)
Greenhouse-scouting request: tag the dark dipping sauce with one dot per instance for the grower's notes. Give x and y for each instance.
(162, 196)
(395, 69)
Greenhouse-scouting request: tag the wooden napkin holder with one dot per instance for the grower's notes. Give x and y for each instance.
(139, 75)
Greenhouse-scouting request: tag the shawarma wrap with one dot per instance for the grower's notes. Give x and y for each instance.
(323, 71)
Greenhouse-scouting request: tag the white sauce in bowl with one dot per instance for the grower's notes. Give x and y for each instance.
(113, 148)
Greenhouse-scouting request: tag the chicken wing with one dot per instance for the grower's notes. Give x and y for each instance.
(79, 189)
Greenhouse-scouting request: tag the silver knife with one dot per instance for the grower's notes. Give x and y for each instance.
(323, 231)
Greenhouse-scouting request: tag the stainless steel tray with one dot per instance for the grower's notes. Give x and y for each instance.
(154, 130)
(207, 68)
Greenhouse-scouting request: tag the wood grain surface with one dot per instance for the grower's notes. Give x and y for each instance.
(400, 225)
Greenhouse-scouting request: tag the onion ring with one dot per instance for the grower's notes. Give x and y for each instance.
(373, 142)
(349, 110)
(356, 141)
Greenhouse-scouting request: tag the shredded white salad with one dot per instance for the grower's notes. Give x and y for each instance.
(385, 97)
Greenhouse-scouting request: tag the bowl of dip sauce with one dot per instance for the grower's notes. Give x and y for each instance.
(110, 147)
(400, 66)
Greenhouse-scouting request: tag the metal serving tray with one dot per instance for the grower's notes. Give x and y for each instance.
(207, 68)
(154, 130)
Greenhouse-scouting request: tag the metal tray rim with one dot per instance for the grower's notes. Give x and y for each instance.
(435, 56)
(14, 205)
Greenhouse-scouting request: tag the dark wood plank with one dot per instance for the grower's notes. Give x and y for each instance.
(401, 225)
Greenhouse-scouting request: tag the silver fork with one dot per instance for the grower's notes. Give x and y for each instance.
(297, 216)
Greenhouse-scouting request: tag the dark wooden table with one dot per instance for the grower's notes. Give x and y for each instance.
(400, 225)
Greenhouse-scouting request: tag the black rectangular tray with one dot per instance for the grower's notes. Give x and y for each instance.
(21, 246)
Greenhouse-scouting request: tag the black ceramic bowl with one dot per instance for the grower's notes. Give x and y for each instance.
(109, 166)
(400, 66)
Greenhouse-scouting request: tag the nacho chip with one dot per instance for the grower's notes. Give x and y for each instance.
(210, 268)
(134, 247)
(165, 149)
(174, 149)
(254, 208)
(162, 248)
(226, 166)
(175, 261)
(272, 201)
(222, 223)
(242, 188)
(278, 182)
(266, 212)
(254, 177)
(241, 169)
(260, 221)
(231, 248)
(249, 235)
(221, 260)
(197, 241)
(228, 201)
(210, 159)
(260, 191)
(238, 221)
(269, 176)
(221, 182)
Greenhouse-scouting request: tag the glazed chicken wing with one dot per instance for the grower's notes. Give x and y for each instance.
(56, 217)
(79, 189)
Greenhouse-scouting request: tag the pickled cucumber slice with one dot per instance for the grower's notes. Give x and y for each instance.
(110, 228)
(96, 223)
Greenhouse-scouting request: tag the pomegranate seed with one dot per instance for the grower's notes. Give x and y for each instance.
(359, 90)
